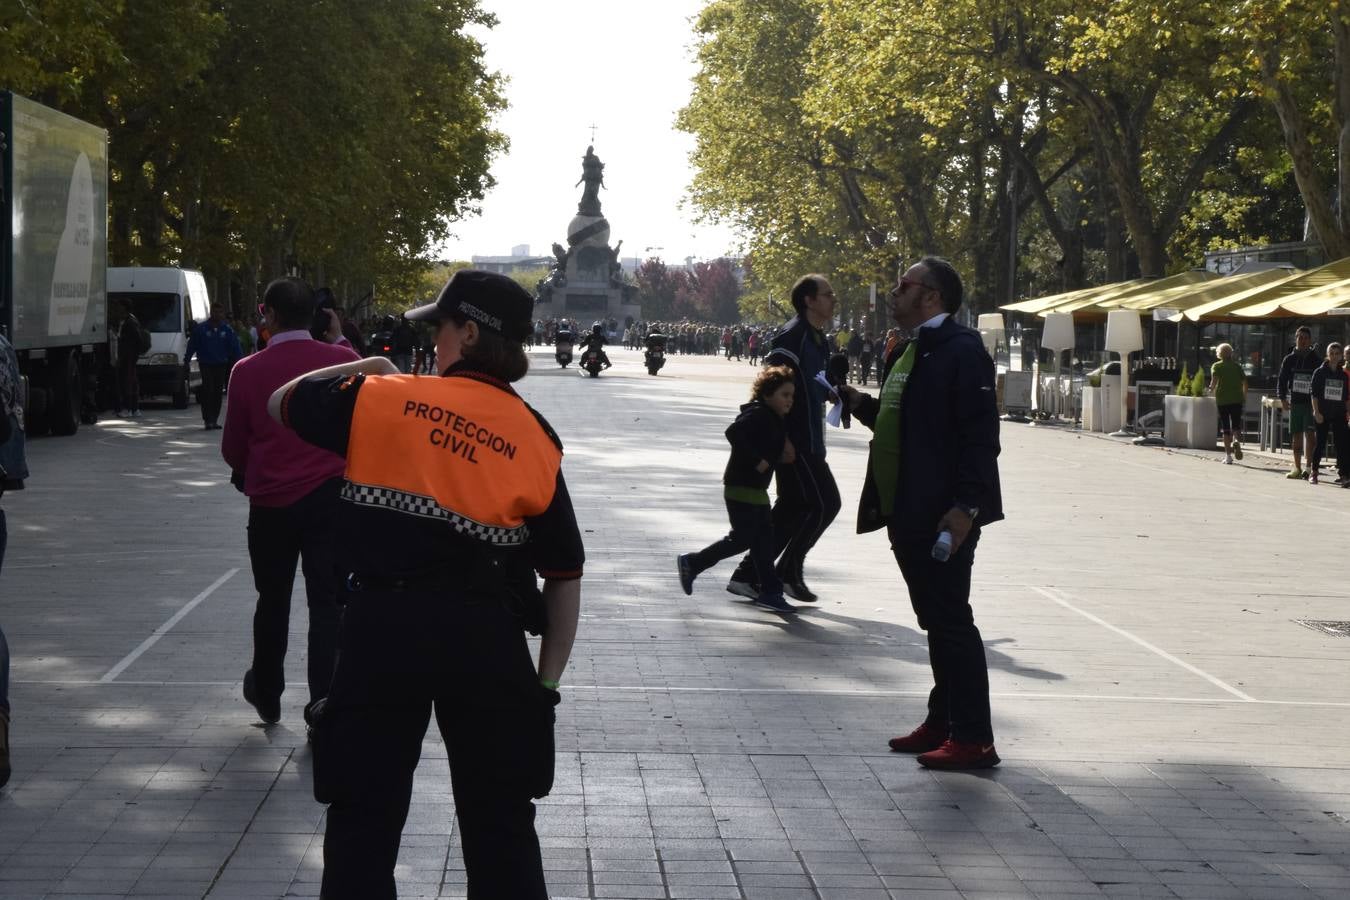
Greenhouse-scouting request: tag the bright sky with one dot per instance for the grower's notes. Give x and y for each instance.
(622, 66)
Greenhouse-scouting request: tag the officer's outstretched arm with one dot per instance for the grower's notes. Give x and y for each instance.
(562, 600)
(371, 365)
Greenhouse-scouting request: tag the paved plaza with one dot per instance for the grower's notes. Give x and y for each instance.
(1167, 728)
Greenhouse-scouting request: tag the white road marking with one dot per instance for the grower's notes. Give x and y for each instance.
(1054, 596)
(862, 693)
(164, 629)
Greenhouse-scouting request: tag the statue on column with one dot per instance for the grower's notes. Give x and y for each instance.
(593, 174)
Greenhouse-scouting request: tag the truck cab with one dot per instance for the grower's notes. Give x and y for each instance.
(168, 303)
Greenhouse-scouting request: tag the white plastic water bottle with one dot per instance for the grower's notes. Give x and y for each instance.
(942, 550)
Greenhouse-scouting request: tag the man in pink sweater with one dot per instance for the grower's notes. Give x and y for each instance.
(292, 489)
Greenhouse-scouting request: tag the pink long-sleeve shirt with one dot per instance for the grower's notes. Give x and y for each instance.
(278, 467)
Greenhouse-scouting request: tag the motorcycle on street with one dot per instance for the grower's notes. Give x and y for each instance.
(655, 357)
(562, 348)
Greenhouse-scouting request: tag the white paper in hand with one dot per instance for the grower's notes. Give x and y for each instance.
(836, 413)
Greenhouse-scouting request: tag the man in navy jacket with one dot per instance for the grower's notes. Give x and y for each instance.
(217, 348)
(808, 498)
(933, 468)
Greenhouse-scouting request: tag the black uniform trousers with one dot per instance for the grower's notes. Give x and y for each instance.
(214, 376)
(808, 501)
(1333, 423)
(402, 655)
(751, 529)
(278, 538)
(940, 595)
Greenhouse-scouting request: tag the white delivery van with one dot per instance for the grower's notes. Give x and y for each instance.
(167, 302)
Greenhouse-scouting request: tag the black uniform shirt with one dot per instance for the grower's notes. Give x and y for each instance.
(1296, 371)
(1329, 387)
(320, 411)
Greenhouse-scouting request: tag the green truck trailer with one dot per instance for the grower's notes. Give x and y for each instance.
(53, 258)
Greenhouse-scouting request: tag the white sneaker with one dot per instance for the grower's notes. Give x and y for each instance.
(1228, 460)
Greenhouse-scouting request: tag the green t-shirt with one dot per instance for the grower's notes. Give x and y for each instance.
(886, 443)
(743, 494)
(1228, 378)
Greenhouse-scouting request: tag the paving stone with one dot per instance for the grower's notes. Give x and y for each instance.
(704, 744)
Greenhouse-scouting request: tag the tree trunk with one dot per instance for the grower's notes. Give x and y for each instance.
(1113, 243)
(1340, 29)
(1325, 222)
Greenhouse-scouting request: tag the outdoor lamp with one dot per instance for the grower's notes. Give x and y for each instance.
(990, 326)
(1124, 335)
(1057, 335)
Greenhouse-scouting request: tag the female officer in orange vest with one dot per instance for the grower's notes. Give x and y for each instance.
(454, 499)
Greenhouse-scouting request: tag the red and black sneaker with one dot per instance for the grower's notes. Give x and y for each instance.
(960, 755)
(922, 739)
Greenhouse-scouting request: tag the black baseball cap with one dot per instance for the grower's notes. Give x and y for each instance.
(494, 301)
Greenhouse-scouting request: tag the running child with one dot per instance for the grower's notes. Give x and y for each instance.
(758, 440)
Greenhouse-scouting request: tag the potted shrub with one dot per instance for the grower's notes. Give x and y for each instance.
(1190, 419)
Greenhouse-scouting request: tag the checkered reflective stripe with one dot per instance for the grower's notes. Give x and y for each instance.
(427, 507)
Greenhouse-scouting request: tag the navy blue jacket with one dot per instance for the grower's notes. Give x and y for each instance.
(1298, 362)
(948, 436)
(755, 436)
(214, 345)
(803, 348)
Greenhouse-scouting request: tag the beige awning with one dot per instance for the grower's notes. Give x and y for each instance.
(1041, 304)
(1319, 301)
(1189, 296)
(1264, 301)
(1130, 290)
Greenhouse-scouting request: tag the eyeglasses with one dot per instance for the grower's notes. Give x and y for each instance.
(906, 282)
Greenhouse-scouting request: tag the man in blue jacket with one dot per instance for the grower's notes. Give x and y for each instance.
(808, 498)
(933, 468)
(217, 348)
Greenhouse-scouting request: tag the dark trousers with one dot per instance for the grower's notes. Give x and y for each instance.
(128, 387)
(808, 500)
(940, 595)
(402, 656)
(278, 538)
(1340, 433)
(214, 376)
(751, 529)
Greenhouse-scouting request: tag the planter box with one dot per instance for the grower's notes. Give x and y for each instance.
(1191, 422)
(1101, 406)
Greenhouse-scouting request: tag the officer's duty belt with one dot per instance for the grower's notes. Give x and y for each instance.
(357, 582)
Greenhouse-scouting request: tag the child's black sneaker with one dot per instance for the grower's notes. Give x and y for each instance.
(686, 569)
(797, 590)
(775, 603)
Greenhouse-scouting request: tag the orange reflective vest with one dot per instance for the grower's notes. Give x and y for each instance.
(456, 449)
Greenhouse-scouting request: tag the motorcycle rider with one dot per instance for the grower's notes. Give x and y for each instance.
(563, 339)
(656, 350)
(596, 341)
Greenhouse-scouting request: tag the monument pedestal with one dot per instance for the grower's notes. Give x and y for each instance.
(587, 284)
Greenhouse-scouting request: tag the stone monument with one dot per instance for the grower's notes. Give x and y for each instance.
(586, 283)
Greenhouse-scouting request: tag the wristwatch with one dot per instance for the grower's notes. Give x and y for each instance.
(972, 511)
